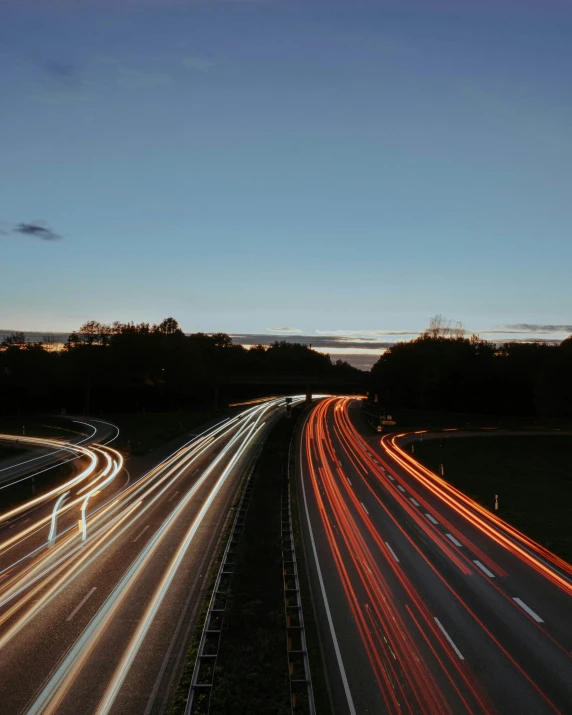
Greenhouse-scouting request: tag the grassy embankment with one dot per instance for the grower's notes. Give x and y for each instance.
(531, 475)
(251, 675)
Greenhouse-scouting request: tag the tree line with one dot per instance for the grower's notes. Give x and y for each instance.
(130, 367)
(444, 370)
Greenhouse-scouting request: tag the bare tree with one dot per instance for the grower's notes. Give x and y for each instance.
(441, 327)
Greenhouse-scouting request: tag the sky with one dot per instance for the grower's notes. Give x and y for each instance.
(287, 167)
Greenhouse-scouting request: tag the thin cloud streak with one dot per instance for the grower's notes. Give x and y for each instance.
(37, 229)
(285, 331)
(521, 328)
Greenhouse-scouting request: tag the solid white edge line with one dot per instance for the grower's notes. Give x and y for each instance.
(392, 551)
(431, 519)
(452, 538)
(414, 501)
(345, 683)
(530, 612)
(141, 533)
(483, 568)
(448, 637)
(363, 505)
(80, 604)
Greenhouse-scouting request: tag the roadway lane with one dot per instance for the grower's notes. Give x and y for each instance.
(50, 453)
(416, 590)
(101, 624)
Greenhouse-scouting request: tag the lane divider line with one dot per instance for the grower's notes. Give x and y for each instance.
(80, 604)
(392, 552)
(349, 482)
(401, 488)
(484, 569)
(414, 501)
(172, 497)
(431, 519)
(455, 541)
(366, 511)
(344, 677)
(530, 612)
(448, 637)
(141, 533)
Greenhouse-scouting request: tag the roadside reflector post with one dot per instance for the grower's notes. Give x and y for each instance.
(442, 469)
(496, 502)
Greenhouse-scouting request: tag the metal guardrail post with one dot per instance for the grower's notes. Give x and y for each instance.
(301, 691)
(202, 679)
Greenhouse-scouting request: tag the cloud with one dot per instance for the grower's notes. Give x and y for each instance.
(61, 82)
(285, 330)
(64, 74)
(370, 334)
(198, 63)
(529, 328)
(141, 80)
(38, 229)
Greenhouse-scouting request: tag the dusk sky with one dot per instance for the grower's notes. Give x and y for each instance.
(311, 165)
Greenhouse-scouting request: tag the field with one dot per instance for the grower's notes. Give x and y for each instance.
(531, 475)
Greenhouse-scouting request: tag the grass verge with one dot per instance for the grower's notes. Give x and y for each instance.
(530, 474)
(251, 675)
(252, 671)
(181, 694)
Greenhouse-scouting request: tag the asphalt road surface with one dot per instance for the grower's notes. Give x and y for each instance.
(100, 582)
(426, 602)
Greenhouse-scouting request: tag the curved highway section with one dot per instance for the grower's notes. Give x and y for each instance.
(99, 589)
(426, 602)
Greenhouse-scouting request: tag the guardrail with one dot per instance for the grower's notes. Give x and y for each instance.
(198, 702)
(301, 691)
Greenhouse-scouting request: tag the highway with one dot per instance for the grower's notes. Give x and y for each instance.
(426, 602)
(100, 583)
(46, 454)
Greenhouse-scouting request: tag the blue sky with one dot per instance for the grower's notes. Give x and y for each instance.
(318, 166)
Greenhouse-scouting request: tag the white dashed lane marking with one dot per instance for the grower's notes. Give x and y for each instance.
(414, 501)
(401, 488)
(80, 604)
(366, 511)
(452, 538)
(530, 612)
(431, 519)
(392, 552)
(141, 533)
(448, 637)
(484, 569)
